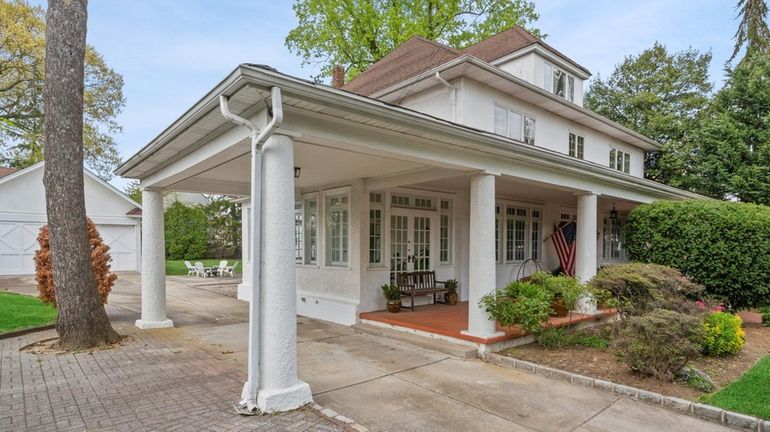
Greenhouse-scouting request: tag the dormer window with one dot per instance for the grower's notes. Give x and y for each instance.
(512, 124)
(559, 82)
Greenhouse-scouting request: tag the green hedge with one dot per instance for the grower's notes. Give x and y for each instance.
(186, 233)
(722, 245)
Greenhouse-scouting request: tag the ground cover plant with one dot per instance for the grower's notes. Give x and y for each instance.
(19, 312)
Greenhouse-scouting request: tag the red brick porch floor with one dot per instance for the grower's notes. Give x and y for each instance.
(451, 320)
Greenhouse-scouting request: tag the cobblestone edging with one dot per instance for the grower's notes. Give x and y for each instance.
(703, 411)
(334, 416)
(22, 332)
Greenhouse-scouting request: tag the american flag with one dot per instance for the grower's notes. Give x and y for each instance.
(564, 242)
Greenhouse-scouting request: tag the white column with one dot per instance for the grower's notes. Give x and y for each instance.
(279, 388)
(153, 263)
(481, 261)
(244, 288)
(585, 245)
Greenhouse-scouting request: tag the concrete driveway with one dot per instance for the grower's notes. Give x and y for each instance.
(389, 385)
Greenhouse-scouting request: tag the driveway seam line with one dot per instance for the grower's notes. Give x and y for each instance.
(597, 414)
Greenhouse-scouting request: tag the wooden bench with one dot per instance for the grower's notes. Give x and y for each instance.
(419, 283)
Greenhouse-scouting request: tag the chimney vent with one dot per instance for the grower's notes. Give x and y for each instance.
(338, 76)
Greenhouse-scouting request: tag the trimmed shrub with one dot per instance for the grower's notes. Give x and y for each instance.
(640, 288)
(722, 245)
(723, 334)
(187, 233)
(660, 343)
(765, 311)
(100, 259)
(521, 303)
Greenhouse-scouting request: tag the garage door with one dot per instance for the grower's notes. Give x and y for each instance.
(18, 243)
(122, 242)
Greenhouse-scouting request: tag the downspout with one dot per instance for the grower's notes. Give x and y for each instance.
(258, 138)
(452, 94)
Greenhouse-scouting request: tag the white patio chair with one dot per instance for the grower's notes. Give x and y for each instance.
(191, 270)
(202, 271)
(229, 270)
(222, 267)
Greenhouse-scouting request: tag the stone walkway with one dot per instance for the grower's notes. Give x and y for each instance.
(154, 380)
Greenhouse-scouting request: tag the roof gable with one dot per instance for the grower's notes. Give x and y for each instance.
(411, 58)
(510, 41)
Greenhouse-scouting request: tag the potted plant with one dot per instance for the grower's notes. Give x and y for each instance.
(566, 292)
(392, 297)
(451, 297)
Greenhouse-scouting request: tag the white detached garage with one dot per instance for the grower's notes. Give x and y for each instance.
(22, 213)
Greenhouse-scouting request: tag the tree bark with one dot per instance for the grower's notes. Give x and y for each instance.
(82, 321)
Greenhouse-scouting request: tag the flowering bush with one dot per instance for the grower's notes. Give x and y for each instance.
(723, 334)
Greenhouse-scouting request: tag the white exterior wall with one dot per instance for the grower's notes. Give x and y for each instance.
(524, 67)
(437, 101)
(551, 131)
(23, 212)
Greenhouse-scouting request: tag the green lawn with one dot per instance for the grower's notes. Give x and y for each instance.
(176, 267)
(749, 394)
(19, 311)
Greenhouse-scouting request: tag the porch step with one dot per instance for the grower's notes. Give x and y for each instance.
(455, 350)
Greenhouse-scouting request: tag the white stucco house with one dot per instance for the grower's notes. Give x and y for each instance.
(22, 213)
(458, 161)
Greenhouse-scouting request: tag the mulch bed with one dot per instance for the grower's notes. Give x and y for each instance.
(604, 364)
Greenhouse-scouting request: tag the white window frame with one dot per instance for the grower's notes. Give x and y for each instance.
(550, 72)
(329, 241)
(502, 253)
(445, 253)
(311, 249)
(609, 242)
(518, 133)
(299, 231)
(577, 151)
(376, 237)
(620, 160)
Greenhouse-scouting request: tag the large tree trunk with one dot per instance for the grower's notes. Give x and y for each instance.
(82, 321)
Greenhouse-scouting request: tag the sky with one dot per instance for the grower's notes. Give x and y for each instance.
(171, 52)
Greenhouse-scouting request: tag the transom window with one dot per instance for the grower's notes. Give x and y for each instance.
(405, 201)
(514, 125)
(576, 146)
(620, 160)
(517, 233)
(559, 82)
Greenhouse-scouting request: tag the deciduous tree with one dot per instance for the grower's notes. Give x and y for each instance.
(22, 58)
(82, 321)
(357, 33)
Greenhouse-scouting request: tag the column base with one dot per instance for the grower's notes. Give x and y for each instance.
(146, 325)
(287, 399)
(244, 292)
(587, 305)
(482, 336)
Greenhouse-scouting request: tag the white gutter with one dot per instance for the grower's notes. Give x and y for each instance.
(453, 94)
(258, 138)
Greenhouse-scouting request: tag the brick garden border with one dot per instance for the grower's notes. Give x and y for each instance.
(338, 418)
(695, 409)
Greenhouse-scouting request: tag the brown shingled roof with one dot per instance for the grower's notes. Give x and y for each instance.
(509, 41)
(411, 58)
(4, 171)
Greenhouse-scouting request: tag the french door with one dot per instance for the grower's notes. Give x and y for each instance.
(410, 241)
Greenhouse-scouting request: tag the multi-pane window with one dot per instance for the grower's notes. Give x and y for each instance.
(559, 82)
(514, 125)
(445, 232)
(298, 232)
(376, 212)
(519, 232)
(614, 247)
(576, 146)
(337, 231)
(311, 231)
(620, 160)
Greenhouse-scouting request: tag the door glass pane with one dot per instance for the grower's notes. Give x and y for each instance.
(398, 245)
(421, 251)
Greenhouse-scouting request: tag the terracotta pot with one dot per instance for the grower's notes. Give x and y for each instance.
(559, 307)
(451, 298)
(394, 306)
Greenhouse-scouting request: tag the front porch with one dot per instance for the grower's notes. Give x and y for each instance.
(449, 322)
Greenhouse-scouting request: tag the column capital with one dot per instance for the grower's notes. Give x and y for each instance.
(152, 189)
(585, 193)
(288, 133)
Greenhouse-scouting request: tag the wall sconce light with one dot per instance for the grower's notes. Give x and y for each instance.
(297, 172)
(613, 213)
